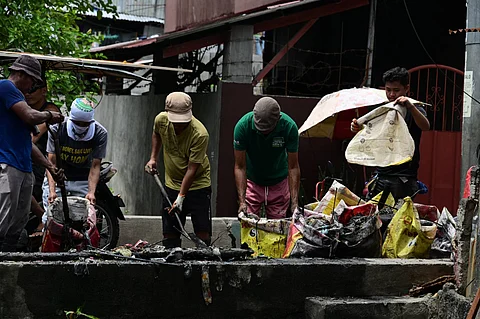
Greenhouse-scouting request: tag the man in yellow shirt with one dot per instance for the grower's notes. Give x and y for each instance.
(187, 169)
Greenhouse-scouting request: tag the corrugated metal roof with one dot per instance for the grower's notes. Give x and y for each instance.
(221, 23)
(127, 17)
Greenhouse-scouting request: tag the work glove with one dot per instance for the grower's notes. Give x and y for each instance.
(178, 204)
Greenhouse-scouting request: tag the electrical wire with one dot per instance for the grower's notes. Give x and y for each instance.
(430, 57)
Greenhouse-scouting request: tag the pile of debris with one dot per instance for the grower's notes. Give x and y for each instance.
(342, 225)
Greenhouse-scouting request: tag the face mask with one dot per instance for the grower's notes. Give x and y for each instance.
(80, 131)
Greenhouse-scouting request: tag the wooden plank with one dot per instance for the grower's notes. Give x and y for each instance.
(91, 61)
(283, 51)
(472, 313)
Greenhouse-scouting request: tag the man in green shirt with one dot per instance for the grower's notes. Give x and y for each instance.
(266, 160)
(187, 169)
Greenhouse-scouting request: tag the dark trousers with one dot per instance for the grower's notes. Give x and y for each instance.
(400, 187)
(196, 204)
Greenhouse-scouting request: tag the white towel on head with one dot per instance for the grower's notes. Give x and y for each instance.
(79, 133)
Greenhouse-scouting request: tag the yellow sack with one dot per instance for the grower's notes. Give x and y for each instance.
(332, 198)
(389, 202)
(406, 238)
(266, 237)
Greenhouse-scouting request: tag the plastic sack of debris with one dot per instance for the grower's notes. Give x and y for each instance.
(332, 198)
(443, 244)
(390, 201)
(312, 234)
(266, 237)
(360, 235)
(406, 236)
(384, 140)
(82, 231)
(427, 212)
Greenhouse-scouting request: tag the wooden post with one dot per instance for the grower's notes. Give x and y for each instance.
(465, 213)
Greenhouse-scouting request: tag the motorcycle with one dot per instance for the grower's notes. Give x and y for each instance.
(108, 211)
(108, 208)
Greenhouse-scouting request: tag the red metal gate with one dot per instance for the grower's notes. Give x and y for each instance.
(440, 148)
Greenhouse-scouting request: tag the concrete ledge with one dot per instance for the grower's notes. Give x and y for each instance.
(260, 288)
(149, 228)
(371, 308)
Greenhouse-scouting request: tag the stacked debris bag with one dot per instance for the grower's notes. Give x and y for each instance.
(79, 234)
(312, 234)
(341, 224)
(360, 235)
(408, 236)
(443, 245)
(266, 237)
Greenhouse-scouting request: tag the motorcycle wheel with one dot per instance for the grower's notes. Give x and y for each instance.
(107, 225)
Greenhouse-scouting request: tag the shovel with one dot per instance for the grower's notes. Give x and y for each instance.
(67, 242)
(61, 184)
(190, 236)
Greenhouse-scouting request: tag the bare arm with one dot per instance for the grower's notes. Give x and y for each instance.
(51, 183)
(43, 126)
(34, 117)
(39, 159)
(241, 178)
(93, 178)
(420, 119)
(151, 166)
(94, 175)
(189, 177)
(293, 178)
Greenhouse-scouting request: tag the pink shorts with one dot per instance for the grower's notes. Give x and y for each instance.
(276, 199)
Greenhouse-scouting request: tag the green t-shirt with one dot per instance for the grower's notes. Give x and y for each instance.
(267, 160)
(189, 146)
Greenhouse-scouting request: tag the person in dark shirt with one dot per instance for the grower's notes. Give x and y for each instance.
(37, 99)
(400, 179)
(83, 145)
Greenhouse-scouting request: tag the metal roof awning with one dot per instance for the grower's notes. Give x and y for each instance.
(216, 32)
(89, 66)
(126, 17)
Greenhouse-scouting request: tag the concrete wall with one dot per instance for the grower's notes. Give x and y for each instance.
(259, 288)
(129, 121)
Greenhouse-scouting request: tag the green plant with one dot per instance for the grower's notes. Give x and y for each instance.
(50, 27)
(78, 314)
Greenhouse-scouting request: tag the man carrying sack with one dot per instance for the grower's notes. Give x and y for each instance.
(266, 160)
(187, 169)
(400, 179)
